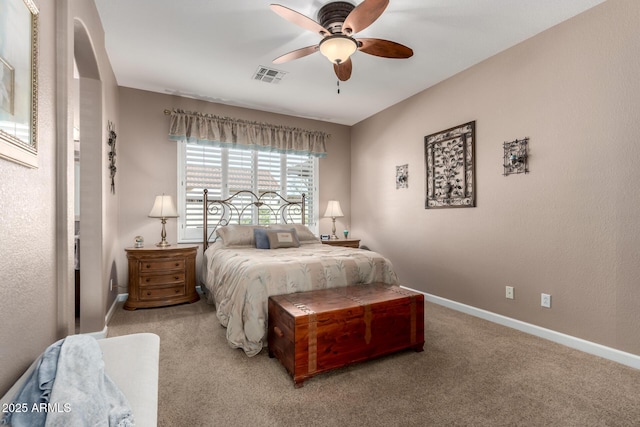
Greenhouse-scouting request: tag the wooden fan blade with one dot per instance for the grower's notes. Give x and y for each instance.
(299, 19)
(298, 53)
(343, 71)
(385, 48)
(363, 15)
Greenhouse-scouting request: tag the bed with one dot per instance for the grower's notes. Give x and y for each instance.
(256, 246)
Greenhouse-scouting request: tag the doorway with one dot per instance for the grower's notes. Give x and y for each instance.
(88, 187)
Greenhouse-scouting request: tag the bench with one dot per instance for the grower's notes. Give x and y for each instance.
(131, 361)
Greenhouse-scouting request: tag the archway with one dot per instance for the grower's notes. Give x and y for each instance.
(91, 173)
(74, 44)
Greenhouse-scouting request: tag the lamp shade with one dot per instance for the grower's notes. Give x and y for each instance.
(338, 48)
(333, 209)
(163, 207)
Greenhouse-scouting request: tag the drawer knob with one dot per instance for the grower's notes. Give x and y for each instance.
(148, 293)
(148, 280)
(278, 331)
(177, 291)
(177, 277)
(148, 265)
(177, 264)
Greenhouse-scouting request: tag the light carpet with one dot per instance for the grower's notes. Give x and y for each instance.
(472, 373)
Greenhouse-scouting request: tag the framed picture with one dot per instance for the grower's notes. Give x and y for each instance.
(449, 156)
(19, 81)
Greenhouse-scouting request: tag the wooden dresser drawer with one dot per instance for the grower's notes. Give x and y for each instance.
(162, 279)
(161, 276)
(161, 264)
(161, 293)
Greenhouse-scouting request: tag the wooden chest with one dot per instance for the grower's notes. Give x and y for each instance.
(313, 332)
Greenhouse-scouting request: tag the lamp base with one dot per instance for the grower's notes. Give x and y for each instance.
(163, 243)
(333, 229)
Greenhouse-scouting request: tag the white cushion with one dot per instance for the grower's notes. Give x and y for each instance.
(132, 361)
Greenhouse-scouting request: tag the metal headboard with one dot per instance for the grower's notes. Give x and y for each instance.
(239, 208)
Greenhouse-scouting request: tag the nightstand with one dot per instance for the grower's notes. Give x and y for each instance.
(161, 276)
(349, 243)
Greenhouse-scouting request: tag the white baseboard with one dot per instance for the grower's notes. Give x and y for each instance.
(609, 353)
(112, 309)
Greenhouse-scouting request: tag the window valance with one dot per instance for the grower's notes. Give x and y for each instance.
(228, 132)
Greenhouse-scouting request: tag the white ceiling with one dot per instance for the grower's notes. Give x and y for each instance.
(210, 50)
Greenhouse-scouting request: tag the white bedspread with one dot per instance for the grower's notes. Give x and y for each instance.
(240, 280)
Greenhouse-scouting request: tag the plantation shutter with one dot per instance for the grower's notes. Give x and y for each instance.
(225, 171)
(203, 169)
(269, 166)
(300, 179)
(242, 176)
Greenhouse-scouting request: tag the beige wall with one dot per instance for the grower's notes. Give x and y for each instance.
(27, 227)
(98, 205)
(36, 209)
(569, 228)
(148, 162)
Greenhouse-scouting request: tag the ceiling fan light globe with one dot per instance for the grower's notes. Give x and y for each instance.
(338, 48)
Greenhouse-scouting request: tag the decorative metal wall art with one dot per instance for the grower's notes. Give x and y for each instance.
(515, 156)
(111, 134)
(402, 176)
(450, 163)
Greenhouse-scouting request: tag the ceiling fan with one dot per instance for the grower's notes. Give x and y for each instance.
(337, 22)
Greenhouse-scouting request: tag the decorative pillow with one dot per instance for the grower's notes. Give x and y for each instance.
(283, 239)
(304, 234)
(260, 236)
(237, 234)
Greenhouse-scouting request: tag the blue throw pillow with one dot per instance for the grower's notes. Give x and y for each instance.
(262, 240)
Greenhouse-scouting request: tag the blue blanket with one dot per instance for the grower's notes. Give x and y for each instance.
(70, 388)
(35, 391)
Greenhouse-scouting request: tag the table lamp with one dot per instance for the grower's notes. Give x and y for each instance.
(163, 208)
(333, 211)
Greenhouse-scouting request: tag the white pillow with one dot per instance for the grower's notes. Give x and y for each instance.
(304, 234)
(237, 234)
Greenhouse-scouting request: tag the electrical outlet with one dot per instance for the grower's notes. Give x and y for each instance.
(545, 300)
(509, 292)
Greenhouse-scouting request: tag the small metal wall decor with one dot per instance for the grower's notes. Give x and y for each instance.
(516, 156)
(111, 134)
(402, 176)
(450, 161)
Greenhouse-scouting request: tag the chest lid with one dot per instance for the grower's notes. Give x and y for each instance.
(354, 298)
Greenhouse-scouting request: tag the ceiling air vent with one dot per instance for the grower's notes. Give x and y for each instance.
(268, 75)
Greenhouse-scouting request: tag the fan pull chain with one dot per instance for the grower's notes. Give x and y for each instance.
(338, 87)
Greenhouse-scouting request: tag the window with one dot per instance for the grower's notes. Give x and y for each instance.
(224, 171)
